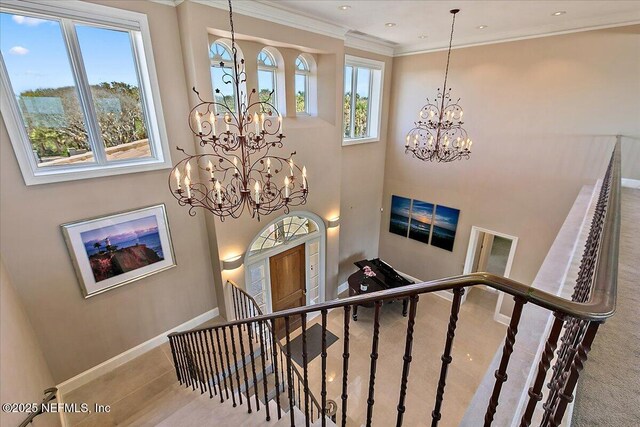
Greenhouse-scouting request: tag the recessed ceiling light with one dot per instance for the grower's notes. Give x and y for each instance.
(482, 27)
(344, 7)
(422, 36)
(390, 24)
(558, 13)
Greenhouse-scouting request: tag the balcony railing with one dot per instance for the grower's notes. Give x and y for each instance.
(199, 358)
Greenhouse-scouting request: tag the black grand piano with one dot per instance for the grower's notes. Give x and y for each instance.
(386, 278)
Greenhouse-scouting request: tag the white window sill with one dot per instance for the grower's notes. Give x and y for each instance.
(51, 175)
(356, 141)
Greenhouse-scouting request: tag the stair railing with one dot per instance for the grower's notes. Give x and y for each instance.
(592, 303)
(246, 307)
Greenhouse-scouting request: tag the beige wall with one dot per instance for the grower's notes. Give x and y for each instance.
(24, 371)
(361, 186)
(315, 139)
(539, 112)
(77, 334)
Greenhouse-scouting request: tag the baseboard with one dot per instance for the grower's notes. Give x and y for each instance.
(343, 288)
(442, 294)
(122, 358)
(631, 183)
(501, 318)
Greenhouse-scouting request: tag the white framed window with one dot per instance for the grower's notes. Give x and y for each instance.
(363, 79)
(80, 96)
(267, 78)
(303, 72)
(221, 57)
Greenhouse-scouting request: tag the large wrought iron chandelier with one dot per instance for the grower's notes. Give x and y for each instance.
(238, 172)
(438, 135)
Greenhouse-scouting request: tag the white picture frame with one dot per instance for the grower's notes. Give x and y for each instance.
(114, 250)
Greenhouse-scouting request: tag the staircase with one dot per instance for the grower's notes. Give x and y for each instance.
(244, 365)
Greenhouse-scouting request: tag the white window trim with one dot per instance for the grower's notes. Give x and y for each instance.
(307, 76)
(375, 97)
(145, 67)
(273, 69)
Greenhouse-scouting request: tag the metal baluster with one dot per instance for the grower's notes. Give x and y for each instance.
(570, 342)
(289, 371)
(345, 363)
(175, 359)
(179, 356)
(501, 372)
(374, 361)
(578, 364)
(215, 365)
(207, 364)
(236, 306)
(244, 368)
(535, 392)
(446, 355)
(194, 368)
(201, 370)
(185, 366)
(253, 367)
(264, 369)
(408, 347)
(274, 361)
(323, 393)
(305, 369)
(229, 373)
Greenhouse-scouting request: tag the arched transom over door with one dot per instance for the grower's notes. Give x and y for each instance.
(285, 263)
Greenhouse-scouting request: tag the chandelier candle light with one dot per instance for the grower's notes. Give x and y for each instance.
(438, 135)
(241, 172)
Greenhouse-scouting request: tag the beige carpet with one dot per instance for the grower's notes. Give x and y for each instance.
(609, 389)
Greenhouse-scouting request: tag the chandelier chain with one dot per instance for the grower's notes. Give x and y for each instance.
(446, 71)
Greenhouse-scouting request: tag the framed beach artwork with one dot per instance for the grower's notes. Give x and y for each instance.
(400, 214)
(421, 220)
(445, 224)
(114, 250)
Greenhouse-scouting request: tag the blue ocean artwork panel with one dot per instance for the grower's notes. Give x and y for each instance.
(421, 221)
(400, 214)
(445, 225)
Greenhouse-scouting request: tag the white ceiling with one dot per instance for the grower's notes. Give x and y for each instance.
(505, 20)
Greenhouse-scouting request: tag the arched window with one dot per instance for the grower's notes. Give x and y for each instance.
(302, 85)
(267, 79)
(284, 231)
(224, 90)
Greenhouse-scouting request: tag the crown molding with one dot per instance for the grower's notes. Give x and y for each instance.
(590, 24)
(270, 11)
(368, 44)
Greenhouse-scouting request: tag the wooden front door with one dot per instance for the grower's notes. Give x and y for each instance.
(288, 284)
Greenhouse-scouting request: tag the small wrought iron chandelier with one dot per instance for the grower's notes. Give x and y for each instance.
(438, 135)
(240, 171)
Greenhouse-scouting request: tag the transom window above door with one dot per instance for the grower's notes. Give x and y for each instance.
(284, 231)
(80, 96)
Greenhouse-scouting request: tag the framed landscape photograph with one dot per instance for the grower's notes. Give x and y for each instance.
(421, 220)
(114, 250)
(444, 227)
(400, 213)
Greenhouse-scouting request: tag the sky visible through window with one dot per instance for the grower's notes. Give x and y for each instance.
(34, 54)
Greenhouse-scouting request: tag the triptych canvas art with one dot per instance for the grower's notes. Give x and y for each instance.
(425, 222)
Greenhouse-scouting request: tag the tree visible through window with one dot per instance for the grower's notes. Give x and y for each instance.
(302, 85)
(361, 108)
(47, 90)
(221, 71)
(267, 68)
